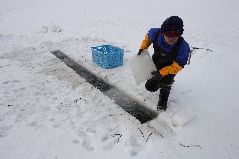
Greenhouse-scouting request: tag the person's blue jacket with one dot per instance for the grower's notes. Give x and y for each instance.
(182, 56)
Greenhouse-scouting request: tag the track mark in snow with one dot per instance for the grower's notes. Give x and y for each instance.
(76, 142)
(7, 82)
(189, 146)
(129, 105)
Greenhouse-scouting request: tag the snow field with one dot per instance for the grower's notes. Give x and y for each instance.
(47, 111)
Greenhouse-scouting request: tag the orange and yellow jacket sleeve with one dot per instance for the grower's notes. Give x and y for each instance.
(171, 69)
(145, 43)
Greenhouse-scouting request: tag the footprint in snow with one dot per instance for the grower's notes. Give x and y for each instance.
(133, 152)
(76, 142)
(34, 124)
(4, 131)
(2, 118)
(134, 146)
(108, 147)
(110, 141)
(87, 145)
(81, 132)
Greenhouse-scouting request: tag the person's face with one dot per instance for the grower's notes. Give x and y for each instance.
(170, 40)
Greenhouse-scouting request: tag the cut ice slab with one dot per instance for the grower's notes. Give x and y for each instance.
(183, 117)
(142, 66)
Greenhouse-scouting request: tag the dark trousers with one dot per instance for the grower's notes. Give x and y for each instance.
(155, 83)
(164, 83)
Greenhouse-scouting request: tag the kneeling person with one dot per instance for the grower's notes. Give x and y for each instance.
(171, 54)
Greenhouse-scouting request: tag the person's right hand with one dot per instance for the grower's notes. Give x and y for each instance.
(140, 51)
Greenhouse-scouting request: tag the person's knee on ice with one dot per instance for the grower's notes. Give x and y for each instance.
(153, 84)
(171, 53)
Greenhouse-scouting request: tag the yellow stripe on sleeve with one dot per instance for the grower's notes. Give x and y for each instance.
(145, 43)
(172, 69)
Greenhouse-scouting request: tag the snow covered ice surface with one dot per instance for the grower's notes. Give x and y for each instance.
(48, 111)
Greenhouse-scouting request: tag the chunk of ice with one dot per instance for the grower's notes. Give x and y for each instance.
(142, 66)
(183, 118)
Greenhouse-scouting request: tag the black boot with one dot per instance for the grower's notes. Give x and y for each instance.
(163, 97)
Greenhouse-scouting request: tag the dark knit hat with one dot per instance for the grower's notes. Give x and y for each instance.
(172, 27)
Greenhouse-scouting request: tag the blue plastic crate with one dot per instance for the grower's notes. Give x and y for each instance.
(107, 56)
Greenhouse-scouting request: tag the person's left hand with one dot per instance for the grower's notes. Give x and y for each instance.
(140, 51)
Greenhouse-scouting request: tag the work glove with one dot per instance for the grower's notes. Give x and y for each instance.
(153, 83)
(140, 51)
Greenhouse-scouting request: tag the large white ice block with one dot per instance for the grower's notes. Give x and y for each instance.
(142, 66)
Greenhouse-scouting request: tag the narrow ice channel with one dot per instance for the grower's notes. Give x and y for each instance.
(131, 106)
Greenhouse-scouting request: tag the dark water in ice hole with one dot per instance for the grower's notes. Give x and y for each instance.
(129, 105)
